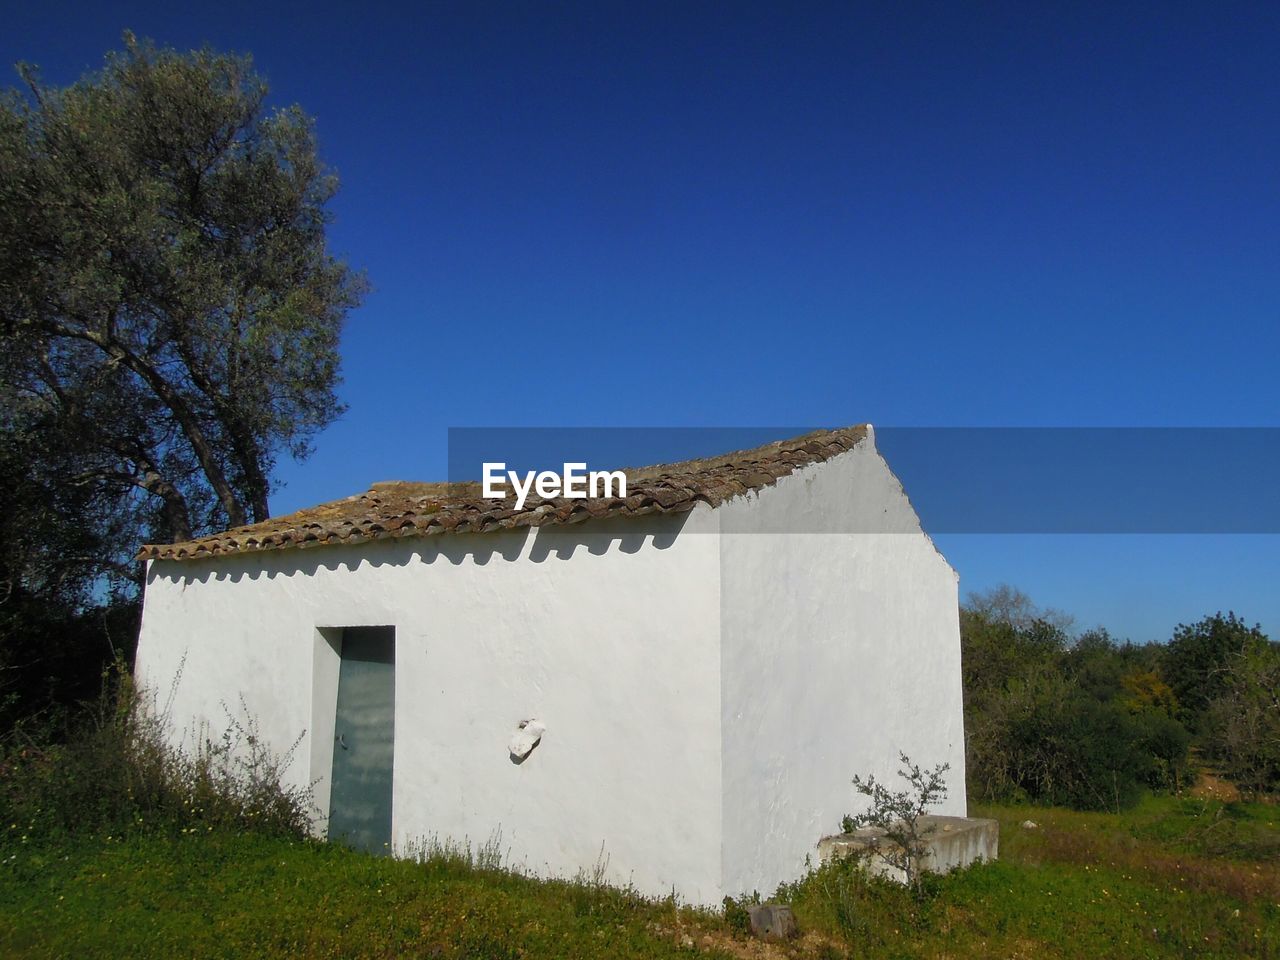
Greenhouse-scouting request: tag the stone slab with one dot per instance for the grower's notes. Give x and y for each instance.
(951, 842)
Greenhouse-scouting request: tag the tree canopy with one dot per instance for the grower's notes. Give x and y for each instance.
(169, 308)
(170, 317)
(1199, 656)
(1089, 722)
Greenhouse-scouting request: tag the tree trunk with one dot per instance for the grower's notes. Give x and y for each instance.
(177, 516)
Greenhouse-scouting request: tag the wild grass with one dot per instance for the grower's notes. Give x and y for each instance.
(114, 770)
(1148, 883)
(1152, 882)
(114, 845)
(233, 894)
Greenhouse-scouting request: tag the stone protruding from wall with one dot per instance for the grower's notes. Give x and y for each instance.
(951, 842)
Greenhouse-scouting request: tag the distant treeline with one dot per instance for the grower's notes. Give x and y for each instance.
(1087, 722)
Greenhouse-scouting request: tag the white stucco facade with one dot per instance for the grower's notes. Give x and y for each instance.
(709, 682)
(839, 650)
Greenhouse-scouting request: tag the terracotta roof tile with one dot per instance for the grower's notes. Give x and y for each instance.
(398, 509)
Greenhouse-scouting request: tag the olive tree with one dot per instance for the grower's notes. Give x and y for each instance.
(899, 816)
(166, 292)
(170, 312)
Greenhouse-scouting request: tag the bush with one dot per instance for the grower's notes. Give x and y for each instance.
(898, 814)
(1088, 724)
(1100, 764)
(737, 913)
(1242, 725)
(52, 658)
(1166, 744)
(111, 770)
(1197, 661)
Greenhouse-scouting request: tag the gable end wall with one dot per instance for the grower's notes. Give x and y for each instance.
(838, 650)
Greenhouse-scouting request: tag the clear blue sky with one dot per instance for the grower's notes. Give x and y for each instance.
(700, 214)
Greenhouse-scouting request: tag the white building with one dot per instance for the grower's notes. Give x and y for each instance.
(712, 658)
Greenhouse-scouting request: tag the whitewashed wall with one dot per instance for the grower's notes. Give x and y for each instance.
(838, 650)
(609, 634)
(709, 683)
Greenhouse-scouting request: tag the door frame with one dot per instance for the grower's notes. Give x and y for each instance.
(326, 662)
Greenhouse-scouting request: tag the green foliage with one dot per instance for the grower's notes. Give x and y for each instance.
(1092, 723)
(738, 915)
(52, 659)
(1197, 660)
(862, 909)
(1084, 753)
(113, 772)
(243, 894)
(1242, 724)
(166, 296)
(169, 325)
(1086, 723)
(897, 813)
(1150, 882)
(1239, 832)
(1225, 677)
(1163, 746)
(1171, 878)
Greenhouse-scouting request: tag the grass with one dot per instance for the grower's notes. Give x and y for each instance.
(222, 894)
(1173, 878)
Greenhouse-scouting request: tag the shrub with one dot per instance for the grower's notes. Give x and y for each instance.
(1197, 660)
(1100, 763)
(1088, 724)
(1242, 725)
(898, 813)
(1163, 744)
(737, 913)
(112, 770)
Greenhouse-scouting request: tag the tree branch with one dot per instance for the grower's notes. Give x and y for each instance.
(171, 398)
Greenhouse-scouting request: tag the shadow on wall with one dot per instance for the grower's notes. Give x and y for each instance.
(536, 545)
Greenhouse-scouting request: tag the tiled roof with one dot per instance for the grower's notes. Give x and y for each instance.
(404, 509)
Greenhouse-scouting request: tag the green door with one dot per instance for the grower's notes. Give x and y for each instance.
(363, 742)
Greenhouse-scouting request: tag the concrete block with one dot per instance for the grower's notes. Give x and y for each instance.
(772, 921)
(950, 842)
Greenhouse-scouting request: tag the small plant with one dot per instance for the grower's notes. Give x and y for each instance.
(737, 916)
(737, 913)
(898, 815)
